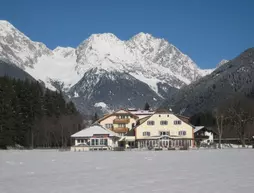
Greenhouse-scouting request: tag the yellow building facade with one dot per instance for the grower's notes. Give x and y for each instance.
(163, 129)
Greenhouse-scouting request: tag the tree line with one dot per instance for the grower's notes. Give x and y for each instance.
(232, 119)
(32, 116)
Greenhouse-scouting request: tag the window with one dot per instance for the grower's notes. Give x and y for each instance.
(182, 133)
(109, 126)
(122, 116)
(177, 144)
(177, 122)
(164, 122)
(99, 142)
(150, 122)
(146, 133)
(105, 142)
(164, 133)
(121, 125)
(80, 140)
(180, 143)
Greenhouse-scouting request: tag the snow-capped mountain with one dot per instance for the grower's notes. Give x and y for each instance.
(143, 59)
(144, 56)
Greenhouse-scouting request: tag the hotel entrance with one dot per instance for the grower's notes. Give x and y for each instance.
(165, 141)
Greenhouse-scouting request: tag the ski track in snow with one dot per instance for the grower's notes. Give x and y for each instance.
(209, 171)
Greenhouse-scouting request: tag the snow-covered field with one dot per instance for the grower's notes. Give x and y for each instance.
(197, 171)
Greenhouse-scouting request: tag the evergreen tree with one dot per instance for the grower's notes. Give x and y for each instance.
(147, 107)
(35, 117)
(95, 117)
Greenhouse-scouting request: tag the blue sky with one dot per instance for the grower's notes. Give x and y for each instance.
(207, 31)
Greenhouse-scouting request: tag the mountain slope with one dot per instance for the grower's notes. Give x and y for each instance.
(113, 89)
(233, 77)
(13, 71)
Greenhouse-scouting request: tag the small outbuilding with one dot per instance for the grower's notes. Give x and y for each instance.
(94, 137)
(203, 136)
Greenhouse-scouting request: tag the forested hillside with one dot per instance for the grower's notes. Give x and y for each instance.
(231, 119)
(31, 116)
(10, 70)
(233, 78)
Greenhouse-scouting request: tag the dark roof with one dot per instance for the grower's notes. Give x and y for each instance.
(161, 111)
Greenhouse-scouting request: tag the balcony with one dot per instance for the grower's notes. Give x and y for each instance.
(121, 121)
(120, 130)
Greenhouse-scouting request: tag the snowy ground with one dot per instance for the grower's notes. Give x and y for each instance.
(206, 171)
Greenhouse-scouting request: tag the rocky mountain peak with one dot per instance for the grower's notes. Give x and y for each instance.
(222, 62)
(142, 36)
(18, 48)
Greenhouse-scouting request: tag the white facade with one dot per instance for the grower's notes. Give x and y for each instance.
(210, 139)
(94, 137)
(96, 141)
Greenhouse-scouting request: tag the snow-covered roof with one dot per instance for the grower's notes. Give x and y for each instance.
(94, 130)
(142, 112)
(198, 128)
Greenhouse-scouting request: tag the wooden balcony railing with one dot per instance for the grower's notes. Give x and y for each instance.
(121, 121)
(120, 130)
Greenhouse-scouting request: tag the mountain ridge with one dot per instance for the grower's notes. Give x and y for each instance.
(150, 60)
(233, 78)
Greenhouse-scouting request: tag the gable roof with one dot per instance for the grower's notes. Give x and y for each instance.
(93, 130)
(183, 118)
(142, 120)
(141, 112)
(199, 128)
(115, 113)
(163, 112)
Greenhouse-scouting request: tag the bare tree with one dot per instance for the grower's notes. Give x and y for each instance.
(220, 123)
(241, 113)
